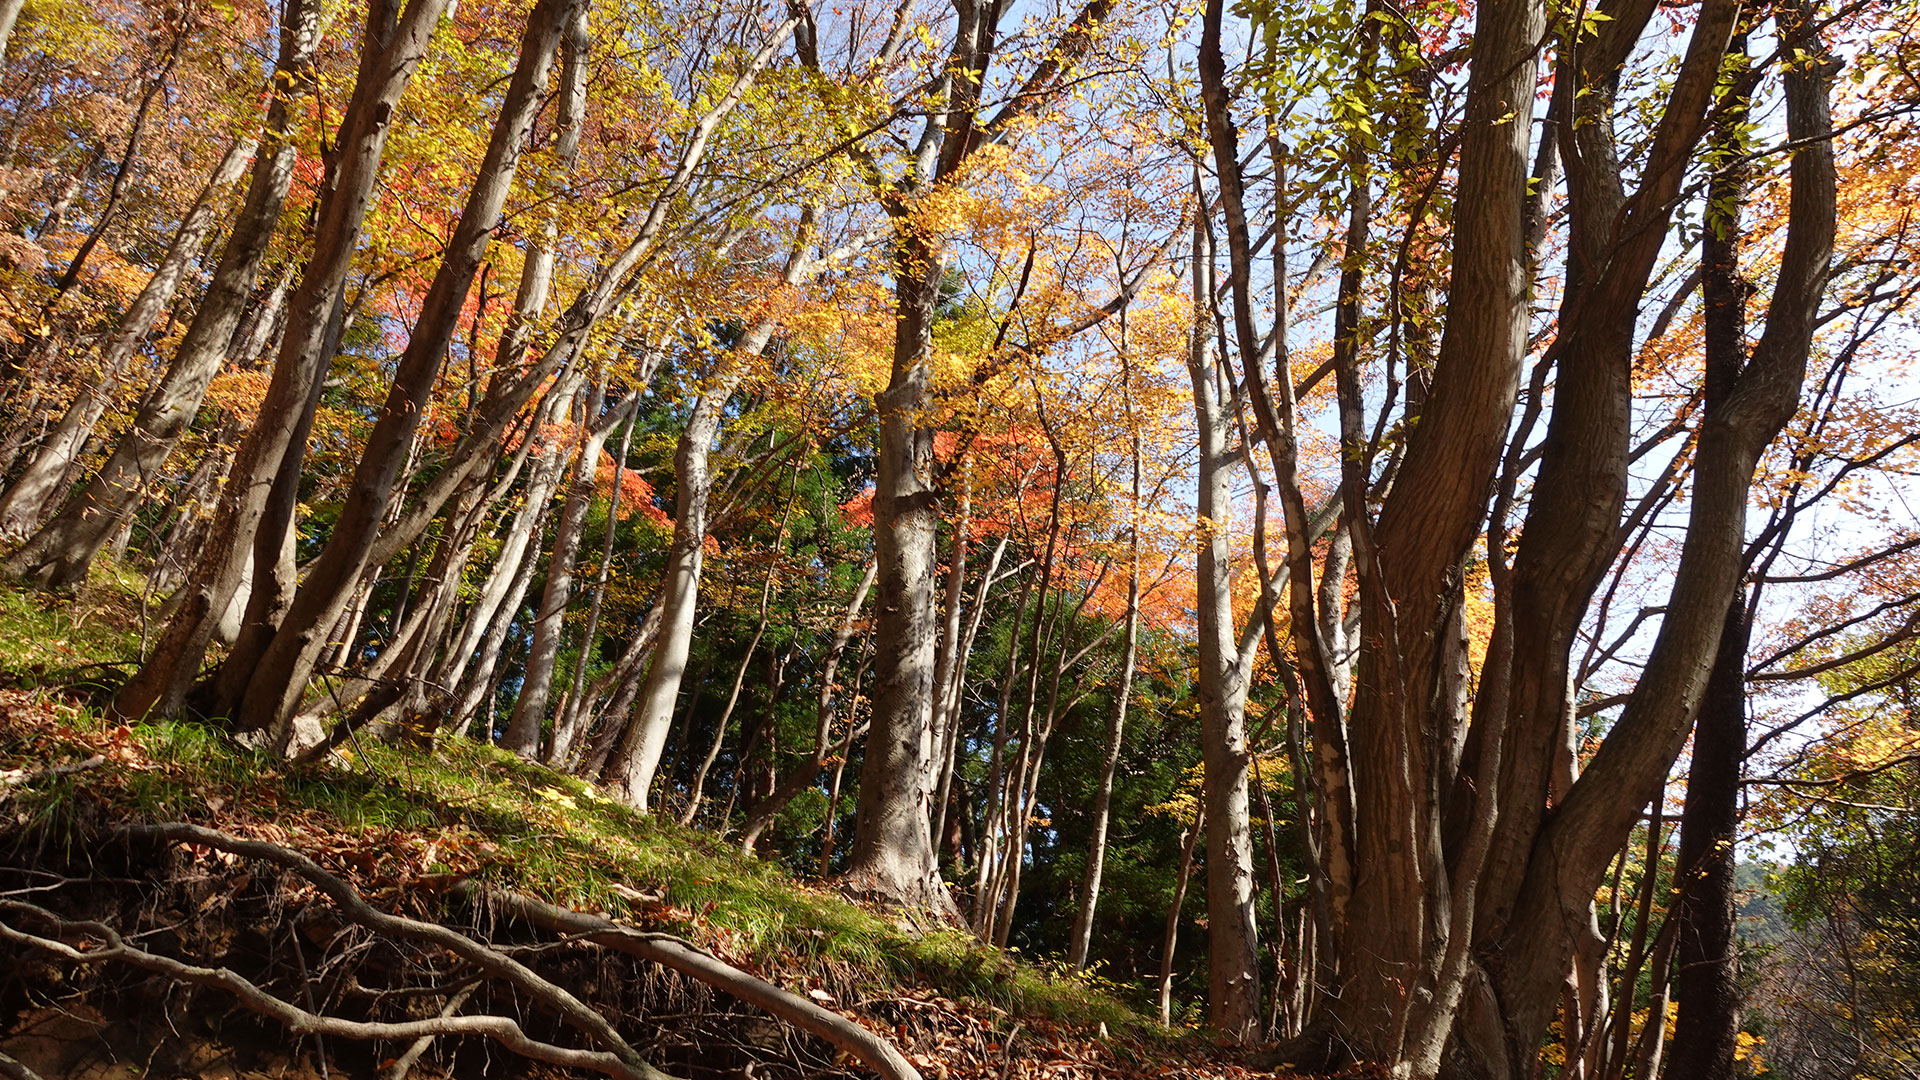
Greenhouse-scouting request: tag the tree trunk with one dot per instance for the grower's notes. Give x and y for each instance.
(766, 810)
(566, 726)
(893, 855)
(893, 852)
(549, 624)
(624, 679)
(1706, 982)
(279, 678)
(1081, 937)
(638, 758)
(1189, 839)
(994, 813)
(123, 175)
(697, 790)
(480, 681)
(9, 14)
(1233, 940)
(1748, 407)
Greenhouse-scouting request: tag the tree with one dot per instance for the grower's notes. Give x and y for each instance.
(1461, 896)
(60, 553)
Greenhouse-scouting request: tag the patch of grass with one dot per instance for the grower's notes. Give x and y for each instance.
(74, 638)
(561, 839)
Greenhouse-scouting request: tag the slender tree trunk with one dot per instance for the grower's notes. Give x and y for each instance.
(994, 812)
(1276, 885)
(480, 681)
(518, 545)
(697, 790)
(949, 697)
(1706, 983)
(1010, 819)
(1081, 937)
(639, 755)
(766, 810)
(1233, 941)
(123, 175)
(9, 14)
(566, 726)
(57, 212)
(1620, 1038)
(950, 663)
(614, 719)
(29, 496)
(1652, 1043)
(1189, 839)
(549, 625)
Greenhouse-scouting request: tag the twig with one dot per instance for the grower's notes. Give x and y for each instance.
(306, 991)
(404, 1063)
(11, 778)
(1006, 1049)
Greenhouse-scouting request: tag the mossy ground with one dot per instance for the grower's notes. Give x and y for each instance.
(74, 637)
(403, 818)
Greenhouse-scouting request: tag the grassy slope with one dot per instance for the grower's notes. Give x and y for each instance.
(399, 818)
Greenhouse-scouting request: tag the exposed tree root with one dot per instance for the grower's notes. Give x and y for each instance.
(13, 1070)
(683, 956)
(576, 1013)
(501, 1029)
(94, 943)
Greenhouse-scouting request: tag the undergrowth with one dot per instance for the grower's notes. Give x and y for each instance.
(74, 638)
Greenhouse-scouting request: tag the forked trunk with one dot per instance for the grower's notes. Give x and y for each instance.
(395, 42)
(1233, 939)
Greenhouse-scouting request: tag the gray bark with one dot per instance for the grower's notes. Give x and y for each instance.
(632, 770)
(1081, 937)
(280, 672)
(394, 44)
(549, 624)
(9, 14)
(1233, 941)
(566, 726)
(893, 854)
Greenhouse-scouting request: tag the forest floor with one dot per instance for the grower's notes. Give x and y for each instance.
(409, 828)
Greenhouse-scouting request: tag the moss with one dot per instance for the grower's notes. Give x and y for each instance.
(81, 639)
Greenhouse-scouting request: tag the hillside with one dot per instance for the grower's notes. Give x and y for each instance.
(440, 833)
